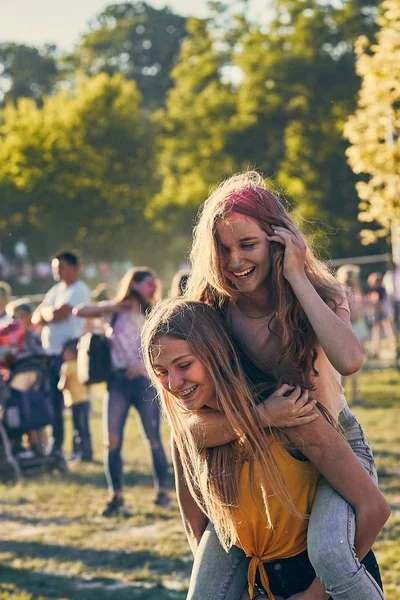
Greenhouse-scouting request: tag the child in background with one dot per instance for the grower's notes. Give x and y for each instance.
(76, 397)
(18, 341)
(22, 314)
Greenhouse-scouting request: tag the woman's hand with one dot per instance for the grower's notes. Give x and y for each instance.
(287, 407)
(295, 250)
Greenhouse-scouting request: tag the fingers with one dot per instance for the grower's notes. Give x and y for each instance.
(288, 227)
(303, 398)
(307, 419)
(307, 408)
(283, 389)
(295, 394)
(286, 236)
(297, 421)
(288, 391)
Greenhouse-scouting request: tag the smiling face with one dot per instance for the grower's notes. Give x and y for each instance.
(182, 373)
(245, 257)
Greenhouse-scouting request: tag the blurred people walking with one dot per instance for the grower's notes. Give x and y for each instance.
(380, 314)
(59, 325)
(358, 317)
(129, 384)
(178, 284)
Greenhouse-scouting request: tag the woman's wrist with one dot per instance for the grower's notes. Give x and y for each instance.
(298, 279)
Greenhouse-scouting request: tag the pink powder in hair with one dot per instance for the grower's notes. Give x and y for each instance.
(244, 196)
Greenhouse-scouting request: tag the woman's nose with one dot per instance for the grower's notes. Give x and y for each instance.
(175, 382)
(235, 261)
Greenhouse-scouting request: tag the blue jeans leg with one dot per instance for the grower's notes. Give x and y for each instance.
(332, 526)
(82, 437)
(216, 574)
(115, 412)
(145, 400)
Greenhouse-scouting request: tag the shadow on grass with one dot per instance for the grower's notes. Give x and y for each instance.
(44, 585)
(39, 521)
(373, 404)
(387, 454)
(43, 521)
(97, 558)
(98, 479)
(131, 478)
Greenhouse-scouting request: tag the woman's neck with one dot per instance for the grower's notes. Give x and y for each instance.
(257, 304)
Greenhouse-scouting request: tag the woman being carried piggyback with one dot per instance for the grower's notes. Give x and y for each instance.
(251, 263)
(257, 490)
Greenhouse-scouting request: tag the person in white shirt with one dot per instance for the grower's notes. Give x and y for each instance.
(59, 325)
(5, 293)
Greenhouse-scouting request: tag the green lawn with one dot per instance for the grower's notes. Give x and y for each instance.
(53, 544)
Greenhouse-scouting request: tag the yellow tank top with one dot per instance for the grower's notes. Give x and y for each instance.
(288, 536)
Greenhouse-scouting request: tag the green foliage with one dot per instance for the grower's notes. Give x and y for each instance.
(167, 108)
(76, 171)
(26, 71)
(292, 87)
(299, 86)
(137, 40)
(374, 128)
(193, 129)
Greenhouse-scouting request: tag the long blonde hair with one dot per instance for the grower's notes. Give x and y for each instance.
(246, 194)
(212, 474)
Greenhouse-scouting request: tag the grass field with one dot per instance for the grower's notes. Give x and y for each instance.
(53, 544)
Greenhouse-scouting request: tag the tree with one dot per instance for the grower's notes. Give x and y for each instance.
(76, 171)
(283, 110)
(194, 127)
(137, 40)
(374, 129)
(26, 71)
(298, 88)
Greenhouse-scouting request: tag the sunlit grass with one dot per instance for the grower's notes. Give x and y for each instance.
(54, 544)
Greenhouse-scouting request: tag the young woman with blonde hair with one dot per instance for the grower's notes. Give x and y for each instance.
(251, 263)
(128, 383)
(258, 490)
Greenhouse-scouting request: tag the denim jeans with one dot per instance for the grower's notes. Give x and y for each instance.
(332, 527)
(122, 393)
(57, 398)
(222, 575)
(293, 575)
(82, 438)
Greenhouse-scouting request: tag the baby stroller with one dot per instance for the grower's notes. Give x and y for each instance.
(25, 400)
